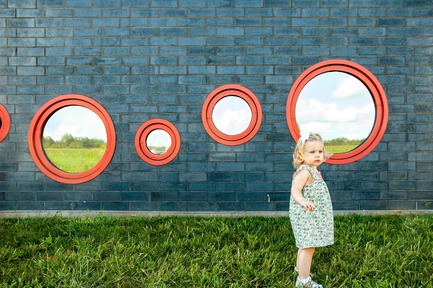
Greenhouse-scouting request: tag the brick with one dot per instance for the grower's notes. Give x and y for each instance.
(160, 59)
(78, 4)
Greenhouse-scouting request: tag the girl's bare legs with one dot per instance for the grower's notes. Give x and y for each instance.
(303, 262)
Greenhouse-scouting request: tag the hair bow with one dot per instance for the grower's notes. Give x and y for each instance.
(304, 136)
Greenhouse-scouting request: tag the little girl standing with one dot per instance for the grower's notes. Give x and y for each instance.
(310, 210)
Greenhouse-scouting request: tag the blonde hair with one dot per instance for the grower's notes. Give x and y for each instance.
(299, 154)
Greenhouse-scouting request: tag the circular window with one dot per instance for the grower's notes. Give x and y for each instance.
(342, 101)
(231, 115)
(72, 139)
(5, 122)
(157, 142)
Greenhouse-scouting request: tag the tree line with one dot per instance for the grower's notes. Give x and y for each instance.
(69, 141)
(343, 141)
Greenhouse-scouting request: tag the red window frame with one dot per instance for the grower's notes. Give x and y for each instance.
(5, 122)
(232, 90)
(377, 93)
(36, 133)
(141, 146)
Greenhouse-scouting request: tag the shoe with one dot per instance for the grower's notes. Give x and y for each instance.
(309, 284)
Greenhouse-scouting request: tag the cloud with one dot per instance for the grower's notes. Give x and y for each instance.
(349, 87)
(231, 121)
(232, 115)
(332, 121)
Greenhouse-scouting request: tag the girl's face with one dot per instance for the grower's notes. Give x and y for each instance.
(313, 153)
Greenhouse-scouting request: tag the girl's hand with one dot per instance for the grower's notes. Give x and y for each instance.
(309, 206)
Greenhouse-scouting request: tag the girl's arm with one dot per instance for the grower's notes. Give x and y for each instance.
(301, 179)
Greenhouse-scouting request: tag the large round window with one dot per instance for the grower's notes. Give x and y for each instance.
(342, 101)
(231, 114)
(72, 139)
(5, 122)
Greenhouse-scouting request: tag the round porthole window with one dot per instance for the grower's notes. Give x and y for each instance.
(231, 115)
(342, 101)
(5, 122)
(157, 142)
(72, 139)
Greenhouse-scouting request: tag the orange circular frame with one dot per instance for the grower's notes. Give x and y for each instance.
(238, 91)
(376, 91)
(5, 122)
(141, 147)
(36, 134)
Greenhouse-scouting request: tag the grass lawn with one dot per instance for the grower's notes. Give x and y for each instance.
(74, 160)
(340, 148)
(370, 251)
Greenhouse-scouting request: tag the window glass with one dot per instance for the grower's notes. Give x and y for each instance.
(342, 101)
(231, 115)
(158, 141)
(338, 105)
(74, 139)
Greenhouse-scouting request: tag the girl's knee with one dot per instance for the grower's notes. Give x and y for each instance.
(309, 250)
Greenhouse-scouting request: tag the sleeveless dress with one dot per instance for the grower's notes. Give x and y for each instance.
(313, 228)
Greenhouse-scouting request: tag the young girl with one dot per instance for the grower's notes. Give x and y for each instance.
(310, 206)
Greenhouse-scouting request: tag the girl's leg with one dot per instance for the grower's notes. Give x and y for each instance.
(303, 261)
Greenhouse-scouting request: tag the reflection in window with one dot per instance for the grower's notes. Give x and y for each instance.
(74, 139)
(158, 141)
(231, 115)
(339, 107)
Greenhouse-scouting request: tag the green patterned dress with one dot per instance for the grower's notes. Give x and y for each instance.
(313, 228)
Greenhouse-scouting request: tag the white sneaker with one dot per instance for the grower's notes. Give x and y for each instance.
(310, 284)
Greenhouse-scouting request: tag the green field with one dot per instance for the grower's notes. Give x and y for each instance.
(74, 160)
(340, 148)
(369, 251)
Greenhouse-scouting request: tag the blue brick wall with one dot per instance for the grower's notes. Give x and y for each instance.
(144, 59)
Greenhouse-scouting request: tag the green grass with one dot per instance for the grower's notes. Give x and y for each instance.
(340, 148)
(74, 160)
(370, 251)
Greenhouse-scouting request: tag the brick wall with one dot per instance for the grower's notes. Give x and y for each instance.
(145, 59)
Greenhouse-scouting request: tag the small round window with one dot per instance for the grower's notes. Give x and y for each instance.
(5, 122)
(343, 102)
(72, 139)
(157, 142)
(231, 115)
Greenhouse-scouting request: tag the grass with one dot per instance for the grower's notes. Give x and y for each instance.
(340, 148)
(74, 160)
(370, 251)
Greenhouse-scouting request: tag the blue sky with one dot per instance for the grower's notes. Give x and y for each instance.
(336, 104)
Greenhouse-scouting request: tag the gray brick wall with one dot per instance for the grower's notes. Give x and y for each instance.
(144, 59)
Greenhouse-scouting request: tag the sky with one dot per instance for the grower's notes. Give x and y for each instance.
(158, 138)
(77, 121)
(232, 115)
(336, 104)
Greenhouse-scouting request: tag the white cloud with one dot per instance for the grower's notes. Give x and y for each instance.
(232, 115)
(331, 121)
(349, 87)
(232, 122)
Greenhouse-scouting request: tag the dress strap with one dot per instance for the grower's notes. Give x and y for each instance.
(305, 167)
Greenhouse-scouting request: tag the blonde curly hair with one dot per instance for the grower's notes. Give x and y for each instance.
(299, 153)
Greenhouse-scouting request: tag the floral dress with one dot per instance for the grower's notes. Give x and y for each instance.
(313, 228)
